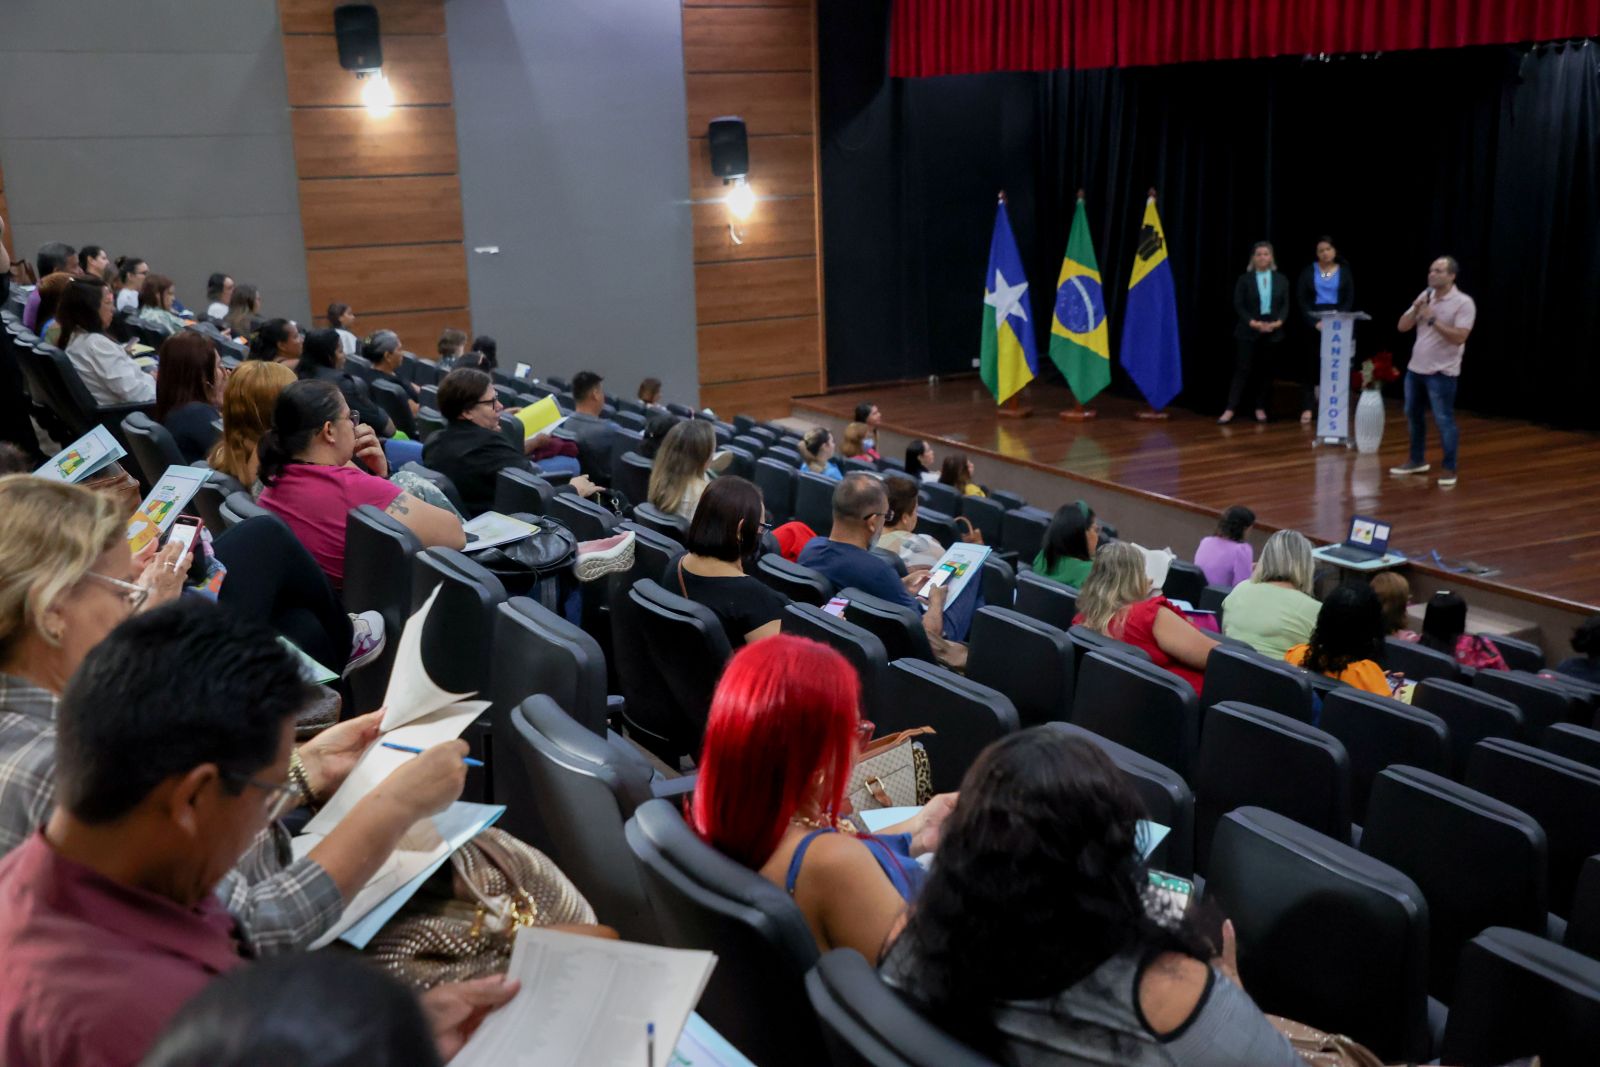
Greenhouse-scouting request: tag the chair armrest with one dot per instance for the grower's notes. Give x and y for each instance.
(673, 787)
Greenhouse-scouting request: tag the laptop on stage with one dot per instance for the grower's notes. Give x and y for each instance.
(1367, 541)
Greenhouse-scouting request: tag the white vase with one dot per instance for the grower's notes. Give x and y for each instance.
(1369, 420)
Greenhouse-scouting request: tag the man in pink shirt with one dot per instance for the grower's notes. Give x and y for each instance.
(1443, 316)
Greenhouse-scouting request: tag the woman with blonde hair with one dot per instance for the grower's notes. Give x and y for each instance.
(855, 441)
(1115, 601)
(247, 403)
(679, 474)
(816, 454)
(1394, 593)
(1274, 610)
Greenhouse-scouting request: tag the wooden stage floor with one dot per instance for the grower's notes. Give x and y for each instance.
(1527, 505)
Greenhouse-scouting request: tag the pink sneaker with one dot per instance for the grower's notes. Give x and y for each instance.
(366, 640)
(596, 559)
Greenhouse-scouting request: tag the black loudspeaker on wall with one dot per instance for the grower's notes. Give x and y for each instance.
(355, 26)
(730, 149)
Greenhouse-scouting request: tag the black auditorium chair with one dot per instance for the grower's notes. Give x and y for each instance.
(648, 711)
(152, 446)
(799, 583)
(891, 558)
(1085, 640)
(999, 581)
(1479, 862)
(1518, 995)
(752, 444)
(1166, 796)
(1519, 655)
(378, 553)
(683, 411)
(1583, 922)
(587, 520)
(689, 648)
(521, 492)
(1252, 756)
(1251, 678)
(813, 500)
(396, 403)
(653, 552)
(1543, 701)
(274, 580)
(662, 522)
(1562, 794)
(965, 715)
(1046, 599)
(1137, 704)
(937, 525)
(237, 507)
(940, 497)
(741, 461)
(1031, 662)
(1577, 743)
(897, 626)
(586, 787)
(776, 480)
(782, 453)
(630, 476)
(858, 466)
(441, 481)
(1211, 598)
(1378, 731)
(1022, 532)
(1325, 932)
(704, 900)
(1009, 501)
(630, 420)
(1184, 582)
(865, 1023)
(857, 644)
(986, 516)
(208, 501)
(1470, 714)
(1417, 661)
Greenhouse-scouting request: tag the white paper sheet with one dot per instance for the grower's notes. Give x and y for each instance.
(412, 693)
(1157, 561)
(492, 528)
(586, 1002)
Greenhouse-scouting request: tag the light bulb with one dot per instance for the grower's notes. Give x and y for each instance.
(377, 95)
(741, 200)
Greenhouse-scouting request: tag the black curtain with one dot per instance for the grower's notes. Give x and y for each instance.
(1491, 155)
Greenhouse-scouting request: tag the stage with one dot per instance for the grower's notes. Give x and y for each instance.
(1526, 509)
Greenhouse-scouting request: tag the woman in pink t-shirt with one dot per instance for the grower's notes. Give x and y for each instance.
(312, 481)
(1116, 601)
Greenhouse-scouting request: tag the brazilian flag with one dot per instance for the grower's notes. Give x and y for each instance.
(1008, 359)
(1079, 344)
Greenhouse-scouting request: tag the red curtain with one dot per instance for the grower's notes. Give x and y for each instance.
(933, 37)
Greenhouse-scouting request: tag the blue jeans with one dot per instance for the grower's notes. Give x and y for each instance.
(399, 452)
(1437, 391)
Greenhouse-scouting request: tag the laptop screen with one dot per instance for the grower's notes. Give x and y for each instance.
(1368, 533)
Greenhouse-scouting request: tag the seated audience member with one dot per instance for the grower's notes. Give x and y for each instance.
(1067, 552)
(244, 311)
(867, 412)
(725, 532)
(489, 350)
(1348, 640)
(50, 291)
(189, 393)
(108, 918)
(53, 258)
(1585, 666)
(322, 360)
(155, 305)
(108, 372)
(1394, 593)
(900, 525)
(1037, 938)
(920, 461)
(93, 262)
(780, 742)
(816, 454)
(682, 467)
(131, 274)
(471, 451)
(957, 472)
(1444, 629)
(596, 438)
(248, 400)
(1116, 600)
(382, 350)
(856, 436)
(650, 394)
(342, 321)
(312, 481)
(219, 291)
(656, 428)
(452, 344)
(278, 340)
(1274, 610)
(1225, 555)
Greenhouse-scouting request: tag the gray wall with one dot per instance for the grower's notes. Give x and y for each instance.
(158, 128)
(570, 120)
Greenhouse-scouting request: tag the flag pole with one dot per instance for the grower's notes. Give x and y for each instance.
(1150, 414)
(1014, 408)
(1078, 413)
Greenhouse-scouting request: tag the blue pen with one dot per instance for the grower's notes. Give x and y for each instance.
(413, 749)
(649, 1045)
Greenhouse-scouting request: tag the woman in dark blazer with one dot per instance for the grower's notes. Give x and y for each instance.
(1261, 304)
(1325, 285)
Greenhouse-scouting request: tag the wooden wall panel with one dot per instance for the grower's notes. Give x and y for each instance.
(779, 166)
(764, 289)
(765, 398)
(747, 38)
(417, 68)
(389, 278)
(394, 16)
(775, 228)
(346, 142)
(381, 211)
(418, 330)
(769, 102)
(773, 348)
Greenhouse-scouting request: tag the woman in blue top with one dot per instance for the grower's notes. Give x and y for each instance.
(1325, 285)
(780, 743)
(816, 454)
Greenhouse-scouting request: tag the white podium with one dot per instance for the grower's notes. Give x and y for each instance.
(1336, 398)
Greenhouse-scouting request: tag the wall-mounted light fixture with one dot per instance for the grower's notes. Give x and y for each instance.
(355, 27)
(730, 161)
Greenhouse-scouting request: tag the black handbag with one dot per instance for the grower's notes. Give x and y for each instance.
(523, 565)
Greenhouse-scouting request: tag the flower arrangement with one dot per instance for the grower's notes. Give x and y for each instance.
(1373, 372)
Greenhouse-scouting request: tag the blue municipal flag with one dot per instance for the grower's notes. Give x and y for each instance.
(1079, 341)
(1150, 320)
(1008, 359)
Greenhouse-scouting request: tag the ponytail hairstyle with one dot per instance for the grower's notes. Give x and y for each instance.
(264, 342)
(811, 446)
(301, 412)
(321, 351)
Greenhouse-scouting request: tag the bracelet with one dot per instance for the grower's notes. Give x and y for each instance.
(302, 783)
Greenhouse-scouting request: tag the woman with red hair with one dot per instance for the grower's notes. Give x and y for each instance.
(781, 740)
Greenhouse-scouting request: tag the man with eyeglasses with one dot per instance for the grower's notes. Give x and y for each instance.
(173, 753)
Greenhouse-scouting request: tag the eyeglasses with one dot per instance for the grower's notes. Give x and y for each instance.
(492, 400)
(282, 798)
(134, 595)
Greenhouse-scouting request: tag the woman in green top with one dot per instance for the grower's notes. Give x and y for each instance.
(1275, 611)
(1069, 545)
